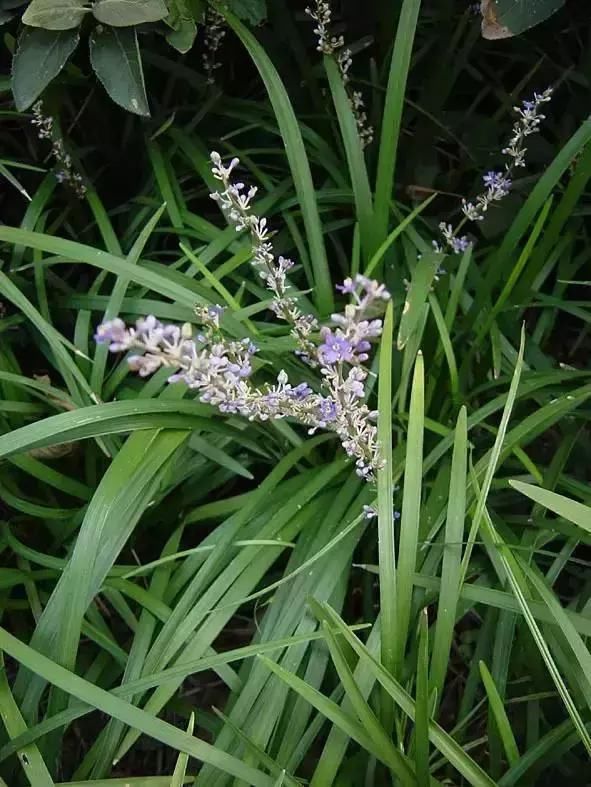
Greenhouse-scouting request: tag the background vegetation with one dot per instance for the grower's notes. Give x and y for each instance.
(188, 597)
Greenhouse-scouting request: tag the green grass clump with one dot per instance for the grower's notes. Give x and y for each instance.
(189, 597)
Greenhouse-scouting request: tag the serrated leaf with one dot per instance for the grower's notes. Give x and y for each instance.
(507, 18)
(252, 11)
(40, 57)
(55, 14)
(125, 13)
(115, 57)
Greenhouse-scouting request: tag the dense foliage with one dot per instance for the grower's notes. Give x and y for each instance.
(295, 491)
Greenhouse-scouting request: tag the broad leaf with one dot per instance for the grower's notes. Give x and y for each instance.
(507, 18)
(252, 11)
(115, 57)
(40, 57)
(125, 13)
(55, 14)
(182, 18)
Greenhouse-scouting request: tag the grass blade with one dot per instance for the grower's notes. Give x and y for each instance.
(422, 710)
(117, 708)
(449, 592)
(575, 512)
(392, 115)
(298, 160)
(411, 510)
(180, 769)
(386, 540)
(500, 715)
(355, 158)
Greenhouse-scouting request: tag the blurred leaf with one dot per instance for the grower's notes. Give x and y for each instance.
(55, 14)
(252, 11)
(507, 18)
(115, 57)
(124, 13)
(40, 57)
(182, 18)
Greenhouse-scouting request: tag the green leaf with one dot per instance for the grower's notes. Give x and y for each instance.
(125, 13)
(182, 18)
(252, 11)
(100, 699)
(115, 57)
(569, 509)
(298, 162)
(411, 510)
(355, 158)
(507, 18)
(55, 14)
(420, 286)
(30, 758)
(40, 57)
(392, 114)
(180, 770)
(500, 715)
(422, 704)
(386, 534)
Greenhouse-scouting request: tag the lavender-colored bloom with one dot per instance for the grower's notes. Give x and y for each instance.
(114, 333)
(356, 388)
(335, 348)
(348, 287)
(328, 410)
(498, 184)
(460, 244)
(145, 365)
(301, 391)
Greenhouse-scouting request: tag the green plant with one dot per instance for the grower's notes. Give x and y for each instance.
(506, 18)
(51, 33)
(162, 561)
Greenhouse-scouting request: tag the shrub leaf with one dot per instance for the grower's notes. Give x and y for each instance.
(115, 57)
(40, 57)
(52, 15)
(125, 13)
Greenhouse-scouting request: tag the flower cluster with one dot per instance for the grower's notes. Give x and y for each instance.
(322, 15)
(235, 201)
(64, 172)
(497, 184)
(215, 31)
(221, 370)
(334, 46)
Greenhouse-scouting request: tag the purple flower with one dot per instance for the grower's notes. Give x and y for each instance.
(335, 348)
(357, 389)
(347, 287)
(328, 410)
(241, 369)
(498, 182)
(301, 391)
(144, 364)
(114, 333)
(460, 244)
